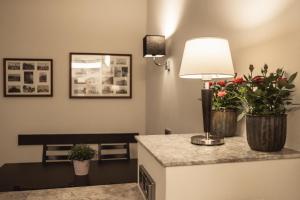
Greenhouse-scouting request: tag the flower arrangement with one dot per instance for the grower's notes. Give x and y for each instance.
(226, 94)
(267, 93)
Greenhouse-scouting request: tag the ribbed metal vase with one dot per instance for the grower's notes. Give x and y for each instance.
(266, 133)
(224, 123)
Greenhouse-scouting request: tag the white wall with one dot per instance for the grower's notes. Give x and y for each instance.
(52, 29)
(259, 31)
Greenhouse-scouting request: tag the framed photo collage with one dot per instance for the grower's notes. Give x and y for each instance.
(28, 77)
(92, 75)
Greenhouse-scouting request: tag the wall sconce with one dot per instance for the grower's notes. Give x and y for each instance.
(154, 46)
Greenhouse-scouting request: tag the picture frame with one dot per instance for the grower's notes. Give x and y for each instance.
(26, 77)
(100, 75)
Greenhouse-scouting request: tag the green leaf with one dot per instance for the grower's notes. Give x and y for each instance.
(81, 152)
(292, 77)
(290, 86)
(259, 92)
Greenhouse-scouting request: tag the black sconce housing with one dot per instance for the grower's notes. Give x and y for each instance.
(154, 46)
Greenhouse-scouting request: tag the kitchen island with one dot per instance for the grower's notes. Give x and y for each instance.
(232, 171)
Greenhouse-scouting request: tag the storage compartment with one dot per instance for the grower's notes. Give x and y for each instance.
(146, 183)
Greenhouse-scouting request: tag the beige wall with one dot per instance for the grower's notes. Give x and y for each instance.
(259, 31)
(52, 29)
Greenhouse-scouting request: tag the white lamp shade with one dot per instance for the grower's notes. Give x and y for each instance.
(206, 59)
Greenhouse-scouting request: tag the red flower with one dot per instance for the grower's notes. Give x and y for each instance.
(282, 82)
(258, 79)
(222, 93)
(281, 79)
(211, 84)
(221, 83)
(238, 80)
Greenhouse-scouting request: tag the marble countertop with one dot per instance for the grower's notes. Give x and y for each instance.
(103, 192)
(177, 150)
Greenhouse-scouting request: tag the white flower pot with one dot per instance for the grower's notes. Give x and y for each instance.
(81, 168)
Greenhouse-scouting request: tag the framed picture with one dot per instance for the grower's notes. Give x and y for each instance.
(100, 75)
(28, 77)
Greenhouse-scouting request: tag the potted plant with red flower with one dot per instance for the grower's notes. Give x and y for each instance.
(226, 106)
(265, 98)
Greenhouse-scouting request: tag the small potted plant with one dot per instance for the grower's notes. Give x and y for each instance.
(266, 98)
(81, 156)
(226, 105)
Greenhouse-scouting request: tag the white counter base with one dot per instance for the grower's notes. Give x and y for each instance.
(257, 180)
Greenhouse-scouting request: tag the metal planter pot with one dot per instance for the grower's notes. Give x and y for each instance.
(266, 133)
(224, 123)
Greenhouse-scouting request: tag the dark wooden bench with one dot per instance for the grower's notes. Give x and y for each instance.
(56, 153)
(33, 176)
(104, 140)
(24, 176)
(119, 151)
(100, 138)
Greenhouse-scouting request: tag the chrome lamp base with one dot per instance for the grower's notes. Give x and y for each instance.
(208, 140)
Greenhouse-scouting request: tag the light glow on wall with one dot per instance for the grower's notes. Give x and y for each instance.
(171, 11)
(246, 14)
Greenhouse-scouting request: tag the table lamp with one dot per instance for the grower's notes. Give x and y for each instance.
(206, 59)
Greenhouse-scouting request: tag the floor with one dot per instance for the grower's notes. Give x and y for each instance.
(105, 192)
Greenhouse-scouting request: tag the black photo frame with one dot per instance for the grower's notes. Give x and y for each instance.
(100, 75)
(26, 77)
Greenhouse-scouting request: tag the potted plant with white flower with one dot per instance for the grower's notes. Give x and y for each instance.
(226, 106)
(265, 98)
(81, 156)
